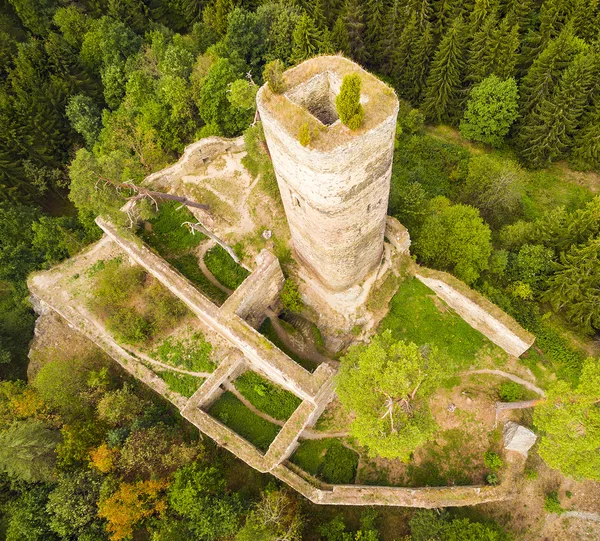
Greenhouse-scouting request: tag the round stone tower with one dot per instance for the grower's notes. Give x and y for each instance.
(335, 189)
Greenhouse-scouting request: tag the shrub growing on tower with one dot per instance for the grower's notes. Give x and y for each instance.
(273, 75)
(348, 104)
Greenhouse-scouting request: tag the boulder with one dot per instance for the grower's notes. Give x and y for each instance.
(518, 438)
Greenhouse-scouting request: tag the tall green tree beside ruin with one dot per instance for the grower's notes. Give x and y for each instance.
(491, 111)
(569, 420)
(442, 93)
(454, 238)
(386, 384)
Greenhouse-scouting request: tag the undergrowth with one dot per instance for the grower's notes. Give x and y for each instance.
(184, 384)
(327, 459)
(224, 268)
(231, 412)
(191, 353)
(267, 397)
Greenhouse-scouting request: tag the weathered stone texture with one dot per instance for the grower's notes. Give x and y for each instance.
(518, 438)
(335, 200)
(397, 235)
(258, 351)
(258, 292)
(478, 312)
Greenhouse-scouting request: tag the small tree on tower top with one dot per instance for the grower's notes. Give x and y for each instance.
(348, 104)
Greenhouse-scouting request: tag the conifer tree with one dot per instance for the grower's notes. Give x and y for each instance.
(586, 145)
(339, 37)
(444, 12)
(442, 94)
(586, 19)
(402, 56)
(374, 30)
(493, 51)
(548, 131)
(389, 38)
(355, 26)
(575, 286)
(545, 73)
(482, 12)
(307, 41)
(418, 68)
(318, 15)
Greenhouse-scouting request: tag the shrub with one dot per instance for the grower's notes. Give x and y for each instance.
(491, 110)
(339, 466)
(552, 503)
(510, 391)
(273, 75)
(290, 297)
(492, 460)
(192, 354)
(347, 102)
(304, 135)
(492, 479)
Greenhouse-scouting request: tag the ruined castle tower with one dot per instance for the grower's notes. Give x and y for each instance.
(335, 189)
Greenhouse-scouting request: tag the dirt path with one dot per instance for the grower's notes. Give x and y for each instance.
(512, 377)
(202, 249)
(232, 389)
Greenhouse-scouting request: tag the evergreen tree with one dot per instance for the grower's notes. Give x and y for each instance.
(483, 11)
(575, 286)
(545, 73)
(307, 41)
(418, 68)
(389, 38)
(281, 35)
(374, 30)
(586, 145)
(548, 131)
(354, 19)
(403, 57)
(444, 12)
(443, 91)
(339, 37)
(586, 19)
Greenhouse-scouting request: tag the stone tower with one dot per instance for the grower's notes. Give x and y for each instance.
(335, 189)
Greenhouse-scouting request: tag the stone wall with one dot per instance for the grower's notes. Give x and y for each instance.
(258, 292)
(335, 200)
(257, 350)
(478, 312)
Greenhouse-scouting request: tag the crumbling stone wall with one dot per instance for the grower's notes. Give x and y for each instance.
(478, 312)
(258, 292)
(336, 199)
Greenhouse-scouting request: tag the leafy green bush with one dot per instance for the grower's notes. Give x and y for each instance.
(224, 268)
(509, 391)
(273, 76)
(184, 384)
(304, 135)
(327, 459)
(492, 460)
(552, 503)
(266, 396)
(347, 102)
(231, 412)
(492, 479)
(290, 297)
(192, 353)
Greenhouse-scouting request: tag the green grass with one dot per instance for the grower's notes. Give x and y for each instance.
(183, 384)
(266, 396)
(188, 266)
(267, 330)
(231, 412)
(192, 353)
(548, 189)
(168, 235)
(415, 317)
(328, 460)
(224, 268)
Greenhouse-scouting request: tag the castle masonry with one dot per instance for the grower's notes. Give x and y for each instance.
(334, 190)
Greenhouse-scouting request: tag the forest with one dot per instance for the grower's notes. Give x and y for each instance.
(500, 110)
